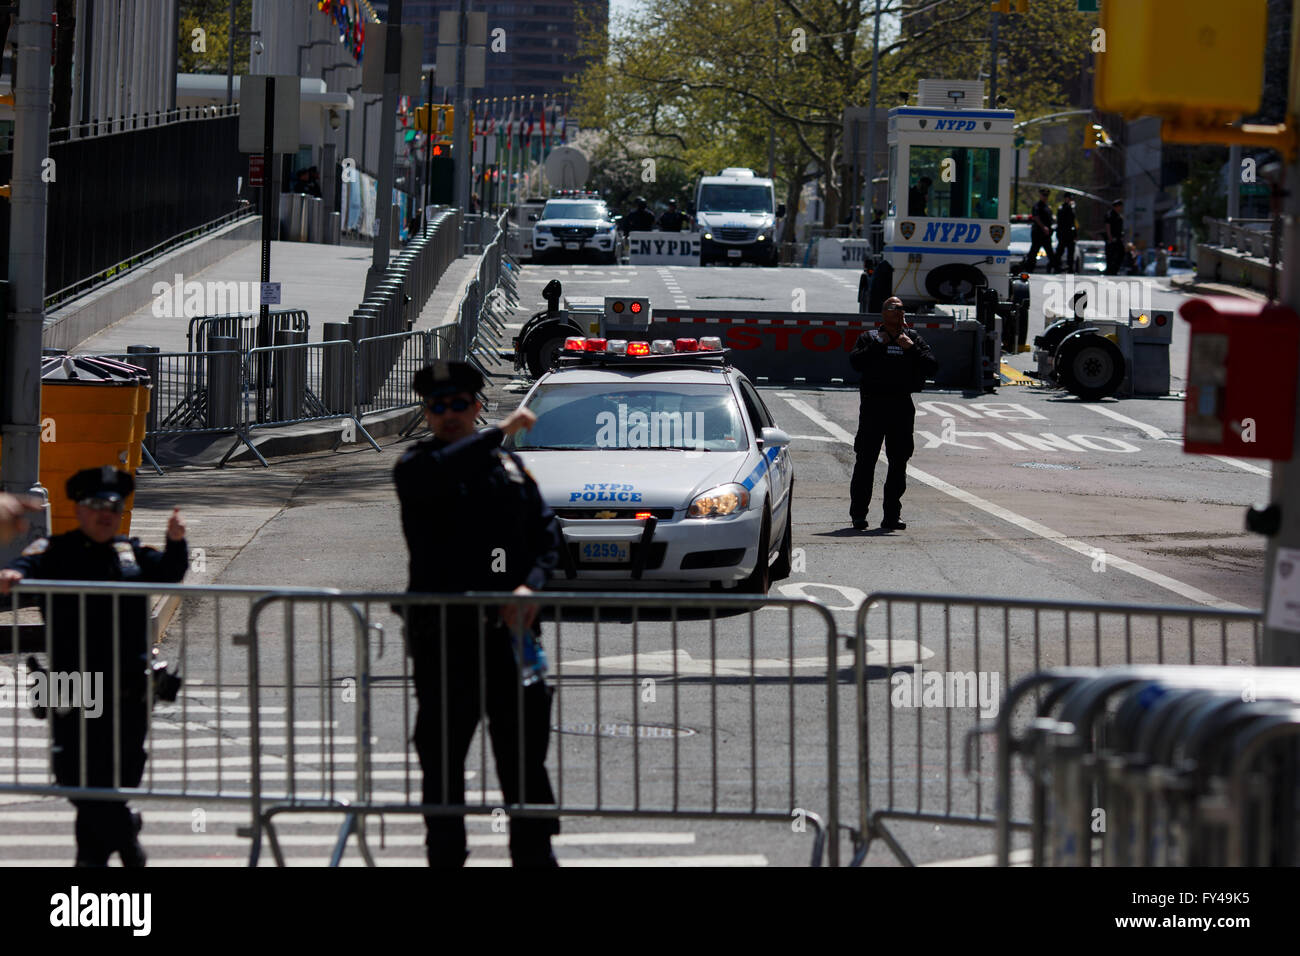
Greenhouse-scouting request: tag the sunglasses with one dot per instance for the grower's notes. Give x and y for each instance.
(439, 406)
(104, 504)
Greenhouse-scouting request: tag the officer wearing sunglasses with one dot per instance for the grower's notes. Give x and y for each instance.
(95, 551)
(475, 521)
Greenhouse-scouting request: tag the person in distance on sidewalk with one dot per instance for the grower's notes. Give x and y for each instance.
(894, 362)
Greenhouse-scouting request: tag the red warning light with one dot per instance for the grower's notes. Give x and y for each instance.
(635, 307)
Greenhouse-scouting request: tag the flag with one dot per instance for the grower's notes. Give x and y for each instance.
(526, 129)
(543, 126)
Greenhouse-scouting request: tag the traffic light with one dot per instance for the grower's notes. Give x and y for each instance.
(1000, 6)
(422, 118)
(1094, 136)
(442, 177)
(1022, 6)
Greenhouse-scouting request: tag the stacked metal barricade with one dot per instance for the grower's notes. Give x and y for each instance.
(1155, 766)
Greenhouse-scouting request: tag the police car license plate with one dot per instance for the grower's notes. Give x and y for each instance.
(733, 253)
(605, 552)
(573, 245)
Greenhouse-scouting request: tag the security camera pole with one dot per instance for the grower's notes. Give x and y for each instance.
(25, 310)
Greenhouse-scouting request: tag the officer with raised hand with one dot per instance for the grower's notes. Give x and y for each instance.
(474, 520)
(894, 362)
(95, 551)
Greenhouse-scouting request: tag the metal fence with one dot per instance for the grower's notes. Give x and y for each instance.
(488, 302)
(930, 668)
(311, 711)
(708, 707)
(122, 198)
(1157, 766)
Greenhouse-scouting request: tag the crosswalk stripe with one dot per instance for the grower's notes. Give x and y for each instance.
(327, 839)
(354, 859)
(305, 761)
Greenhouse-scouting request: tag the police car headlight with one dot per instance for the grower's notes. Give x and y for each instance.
(720, 501)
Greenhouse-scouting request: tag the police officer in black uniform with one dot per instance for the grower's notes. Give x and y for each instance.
(94, 551)
(475, 521)
(672, 220)
(640, 219)
(894, 362)
(1067, 231)
(1041, 233)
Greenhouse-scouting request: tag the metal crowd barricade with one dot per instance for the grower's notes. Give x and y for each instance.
(300, 379)
(220, 740)
(397, 357)
(652, 716)
(1157, 766)
(929, 667)
(243, 327)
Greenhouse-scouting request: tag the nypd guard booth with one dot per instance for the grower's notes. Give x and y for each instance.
(946, 237)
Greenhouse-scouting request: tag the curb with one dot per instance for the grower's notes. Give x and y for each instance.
(1215, 288)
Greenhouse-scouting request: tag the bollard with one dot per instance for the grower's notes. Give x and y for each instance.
(362, 323)
(290, 376)
(223, 382)
(336, 369)
(147, 359)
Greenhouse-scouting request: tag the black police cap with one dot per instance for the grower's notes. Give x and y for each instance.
(100, 483)
(445, 377)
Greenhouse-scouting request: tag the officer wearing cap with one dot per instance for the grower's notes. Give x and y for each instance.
(94, 551)
(640, 219)
(475, 521)
(895, 362)
(672, 220)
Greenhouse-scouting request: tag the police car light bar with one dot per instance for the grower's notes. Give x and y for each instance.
(576, 347)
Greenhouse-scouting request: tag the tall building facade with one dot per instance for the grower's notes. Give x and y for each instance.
(541, 40)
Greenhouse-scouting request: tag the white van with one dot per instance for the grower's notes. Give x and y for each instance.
(736, 216)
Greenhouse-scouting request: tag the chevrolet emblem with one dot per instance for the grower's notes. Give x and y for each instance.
(606, 514)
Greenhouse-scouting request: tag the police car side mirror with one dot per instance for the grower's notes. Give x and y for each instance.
(773, 438)
(780, 210)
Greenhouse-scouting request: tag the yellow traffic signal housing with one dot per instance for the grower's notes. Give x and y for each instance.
(1022, 6)
(447, 120)
(422, 118)
(1198, 60)
(1000, 6)
(1090, 137)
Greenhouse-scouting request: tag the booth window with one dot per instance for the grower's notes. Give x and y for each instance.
(892, 208)
(973, 192)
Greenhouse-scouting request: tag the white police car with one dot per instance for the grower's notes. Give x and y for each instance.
(575, 225)
(663, 465)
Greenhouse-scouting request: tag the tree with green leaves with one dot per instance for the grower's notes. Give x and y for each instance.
(203, 44)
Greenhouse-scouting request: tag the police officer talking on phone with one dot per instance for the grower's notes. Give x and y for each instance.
(94, 551)
(475, 521)
(894, 362)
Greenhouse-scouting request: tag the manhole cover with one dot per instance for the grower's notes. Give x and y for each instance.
(625, 730)
(1046, 465)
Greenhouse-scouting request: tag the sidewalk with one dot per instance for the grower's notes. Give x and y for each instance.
(1190, 286)
(327, 281)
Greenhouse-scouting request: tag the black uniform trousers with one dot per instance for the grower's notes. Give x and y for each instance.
(103, 827)
(887, 420)
(1114, 257)
(1041, 239)
(1065, 253)
(445, 726)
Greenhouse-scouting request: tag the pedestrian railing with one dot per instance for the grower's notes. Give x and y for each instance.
(1155, 766)
(930, 668)
(703, 707)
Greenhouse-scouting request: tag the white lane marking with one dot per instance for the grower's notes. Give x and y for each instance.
(1235, 463)
(1028, 524)
(1149, 430)
(1018, 858)
(812, 438)
(1155, 433)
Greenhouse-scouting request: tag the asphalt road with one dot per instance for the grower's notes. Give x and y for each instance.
(1024, 493)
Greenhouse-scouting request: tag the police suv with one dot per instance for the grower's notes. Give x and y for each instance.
(662, 464)
(575, 225)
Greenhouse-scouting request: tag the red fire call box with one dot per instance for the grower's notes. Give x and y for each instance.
(1241, 378)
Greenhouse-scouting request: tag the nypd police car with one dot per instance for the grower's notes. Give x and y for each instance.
(575, 225)
(662, 464)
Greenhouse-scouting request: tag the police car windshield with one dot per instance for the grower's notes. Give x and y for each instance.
(1020, 232)
(735, 198)
(574, 210)
(633, 416)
